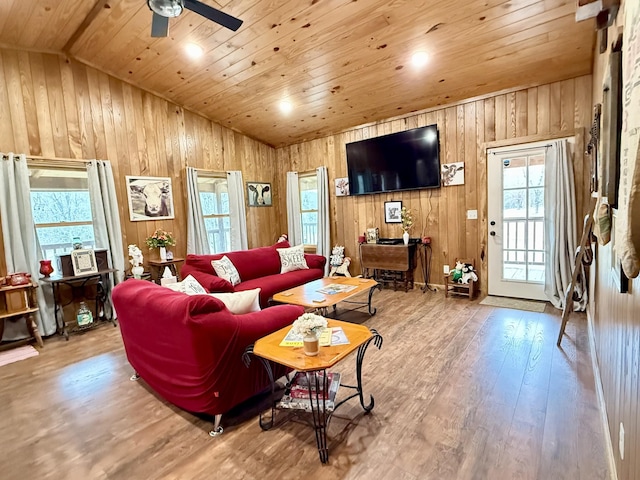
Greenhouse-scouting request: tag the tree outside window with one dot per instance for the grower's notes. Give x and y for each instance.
(61, 209)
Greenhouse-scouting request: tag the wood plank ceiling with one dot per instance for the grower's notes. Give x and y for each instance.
(340, 63)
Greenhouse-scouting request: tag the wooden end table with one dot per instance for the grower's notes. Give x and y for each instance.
(268, 349)
(308, 295)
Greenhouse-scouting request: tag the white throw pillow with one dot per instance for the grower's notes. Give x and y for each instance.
(189, 285)
(225, 269)
(245, 301)
(292, 259)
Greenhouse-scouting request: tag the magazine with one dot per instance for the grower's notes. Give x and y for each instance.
(297, 396)
(336, 288)
(328, 337)
(293, 340)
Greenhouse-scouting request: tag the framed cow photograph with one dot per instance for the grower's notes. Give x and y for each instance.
(259, 194)
(150, 198)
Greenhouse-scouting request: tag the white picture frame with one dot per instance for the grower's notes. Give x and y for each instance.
(83, 261)
(150, 198)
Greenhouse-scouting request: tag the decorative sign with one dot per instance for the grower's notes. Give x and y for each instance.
(83, 261)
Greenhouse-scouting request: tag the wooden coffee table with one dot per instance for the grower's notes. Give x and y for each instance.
(309, 296)
(268, 349)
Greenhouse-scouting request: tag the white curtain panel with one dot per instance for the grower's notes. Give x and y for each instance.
(324, 237)
(21, 248)
(197, 241)
(106, 214)
(294, 217)
(237, 211)
(560, 226)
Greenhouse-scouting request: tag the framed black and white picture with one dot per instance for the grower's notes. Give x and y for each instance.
(83, 261)
(392, 212)
(259, 194)
(150, 198)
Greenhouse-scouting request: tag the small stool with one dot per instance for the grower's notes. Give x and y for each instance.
(464, 289)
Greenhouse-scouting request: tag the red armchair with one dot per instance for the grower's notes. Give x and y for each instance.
(189, 348)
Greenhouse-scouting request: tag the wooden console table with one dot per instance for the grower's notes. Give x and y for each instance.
(389, 263)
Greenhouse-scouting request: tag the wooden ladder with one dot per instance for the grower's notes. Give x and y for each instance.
(583, 248)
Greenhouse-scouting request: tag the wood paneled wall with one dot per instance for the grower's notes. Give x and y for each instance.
(616, 327)
(466, 130)
(51, 106)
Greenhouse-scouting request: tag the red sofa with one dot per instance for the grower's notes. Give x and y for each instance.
(258, 267)
(188, 348)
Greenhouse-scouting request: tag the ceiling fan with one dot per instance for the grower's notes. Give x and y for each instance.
(165, 9)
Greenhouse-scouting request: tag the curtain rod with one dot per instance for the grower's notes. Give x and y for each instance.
(515, 150)
(49, 159)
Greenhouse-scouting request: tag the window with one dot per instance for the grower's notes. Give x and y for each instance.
(214, 198)
(61, 209)
(309, 208)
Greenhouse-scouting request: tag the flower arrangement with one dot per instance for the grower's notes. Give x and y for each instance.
(309, 324)
(136, 255)
(407, 219)
(160, 238)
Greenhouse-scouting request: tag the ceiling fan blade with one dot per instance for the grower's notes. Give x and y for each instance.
(232, 23)
(159, 25)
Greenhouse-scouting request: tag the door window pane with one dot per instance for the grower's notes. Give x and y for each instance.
(514, 173)
(514, 203)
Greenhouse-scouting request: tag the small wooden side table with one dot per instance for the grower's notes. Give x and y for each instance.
(20, 300)
(268, 349)
(156, 267)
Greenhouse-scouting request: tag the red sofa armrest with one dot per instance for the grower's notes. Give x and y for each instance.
(256, 325)
(315, 261)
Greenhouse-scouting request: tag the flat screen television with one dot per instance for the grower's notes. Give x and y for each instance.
(406, 160)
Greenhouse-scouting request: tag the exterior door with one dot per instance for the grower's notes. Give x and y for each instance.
(516, 263)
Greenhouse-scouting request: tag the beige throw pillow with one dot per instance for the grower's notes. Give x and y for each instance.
(225, 269)
(292, 259)
(189, 285)
(245, 301)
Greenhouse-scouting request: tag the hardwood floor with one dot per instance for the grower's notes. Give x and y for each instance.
(462, 391)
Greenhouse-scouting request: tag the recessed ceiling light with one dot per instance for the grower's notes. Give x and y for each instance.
(420, 59)
(286, 106)
(193, 50)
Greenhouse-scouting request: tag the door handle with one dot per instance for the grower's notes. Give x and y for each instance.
(492, 233)
(492, 223)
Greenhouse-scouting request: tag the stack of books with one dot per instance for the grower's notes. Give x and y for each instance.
(297, 393)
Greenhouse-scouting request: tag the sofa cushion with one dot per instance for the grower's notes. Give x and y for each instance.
(292, 259)
(210, 281)
(189, 285)
(240, 302)
(279, 282)
(225, 268)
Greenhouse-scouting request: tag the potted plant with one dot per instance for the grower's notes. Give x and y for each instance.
(309, 326)
(161, 240)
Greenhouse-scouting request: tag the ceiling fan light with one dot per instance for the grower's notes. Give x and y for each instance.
(166, 8)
